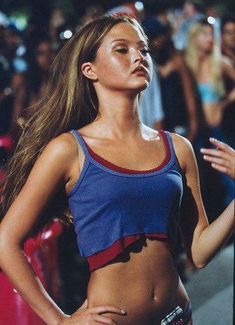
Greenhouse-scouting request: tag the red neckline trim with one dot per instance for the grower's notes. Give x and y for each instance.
(114, 167)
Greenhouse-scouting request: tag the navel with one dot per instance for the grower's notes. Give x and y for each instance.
(154, 295)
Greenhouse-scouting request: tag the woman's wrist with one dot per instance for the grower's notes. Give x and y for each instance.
(59, 320)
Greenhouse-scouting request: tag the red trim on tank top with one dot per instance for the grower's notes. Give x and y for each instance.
(114, 167)
(102, 258)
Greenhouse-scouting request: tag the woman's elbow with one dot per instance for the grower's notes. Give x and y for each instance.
(7, 247)
(200, 265)
(3, 246)
(199, 262)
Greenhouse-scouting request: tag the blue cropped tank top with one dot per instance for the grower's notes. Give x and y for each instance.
(208, 93)
(113, 207)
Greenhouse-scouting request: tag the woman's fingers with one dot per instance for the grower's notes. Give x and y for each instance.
(104, 320)
(101, 309)
(221, 145)
(222, 158)
(211, 157)
(93, 315)
(107, 309)
(220, 168)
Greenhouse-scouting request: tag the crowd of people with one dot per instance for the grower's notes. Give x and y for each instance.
(194, 74)
(191, 93)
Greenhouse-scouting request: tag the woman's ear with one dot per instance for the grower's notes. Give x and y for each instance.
(88, 70)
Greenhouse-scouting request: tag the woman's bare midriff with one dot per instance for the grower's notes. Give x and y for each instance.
(213, 114)
(143, 281)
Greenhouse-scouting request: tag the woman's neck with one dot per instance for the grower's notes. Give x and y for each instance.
(118, 115)
(203, 56)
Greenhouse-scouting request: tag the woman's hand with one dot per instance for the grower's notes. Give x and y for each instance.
(90, 316)
(222, 158)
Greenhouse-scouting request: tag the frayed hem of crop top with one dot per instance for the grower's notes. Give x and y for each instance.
(106, 256)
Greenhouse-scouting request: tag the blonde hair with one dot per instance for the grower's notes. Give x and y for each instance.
(214, 59)
(70, 102)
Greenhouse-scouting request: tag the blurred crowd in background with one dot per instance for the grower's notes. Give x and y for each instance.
(193, 52)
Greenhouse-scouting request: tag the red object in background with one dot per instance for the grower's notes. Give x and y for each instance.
(41, 251)
(6, 142)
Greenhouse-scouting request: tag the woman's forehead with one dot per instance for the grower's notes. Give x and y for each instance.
(206, 28)
(125, 32)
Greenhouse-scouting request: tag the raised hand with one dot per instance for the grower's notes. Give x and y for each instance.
(222, 158)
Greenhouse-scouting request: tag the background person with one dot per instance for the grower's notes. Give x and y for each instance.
(208, 70)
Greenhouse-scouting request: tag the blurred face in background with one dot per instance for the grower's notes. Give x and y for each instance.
(44, 55)
(189, 10)
(205, 39)
(12, 39)
(228, 36)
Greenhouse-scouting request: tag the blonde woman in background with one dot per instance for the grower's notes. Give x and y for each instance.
(208, 69)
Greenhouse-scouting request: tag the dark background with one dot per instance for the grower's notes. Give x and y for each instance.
(76, 8)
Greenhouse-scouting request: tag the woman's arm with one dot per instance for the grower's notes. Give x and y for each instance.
(50, 173)
(47, 176)
(201, 239)
(228, 70)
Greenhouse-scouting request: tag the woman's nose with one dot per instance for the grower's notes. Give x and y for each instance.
(138, 55)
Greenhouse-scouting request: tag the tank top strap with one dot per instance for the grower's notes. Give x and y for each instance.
(81, 142)
(169, 141)
(172, 149)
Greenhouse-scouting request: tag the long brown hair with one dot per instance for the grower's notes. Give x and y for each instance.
(70, 102)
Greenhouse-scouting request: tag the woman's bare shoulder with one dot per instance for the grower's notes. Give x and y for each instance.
(179, 140)
(183, 149)
(60, 152)
(64, 145)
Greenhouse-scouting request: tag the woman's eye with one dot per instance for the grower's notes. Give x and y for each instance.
(122, 50)
(144, 51)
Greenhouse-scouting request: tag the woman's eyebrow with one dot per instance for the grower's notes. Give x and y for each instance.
(128, 41)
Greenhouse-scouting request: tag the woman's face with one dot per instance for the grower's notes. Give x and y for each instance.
(228, 35)
(205, 39)
(44, 55)
(123, 62)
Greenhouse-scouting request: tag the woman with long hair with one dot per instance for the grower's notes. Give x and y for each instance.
(204, 59)
(208, 69)
(85, 151)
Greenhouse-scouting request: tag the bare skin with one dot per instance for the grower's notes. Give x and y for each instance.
(145, 291)
(143, 281)
(222, 158)
(228, 41)
(150, 292)
(213, 111)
